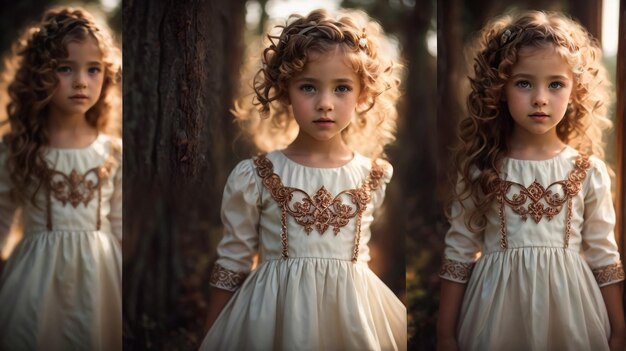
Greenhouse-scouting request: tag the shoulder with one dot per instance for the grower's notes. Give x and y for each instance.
(379, 170)
(597, 168)
(383, 168)
(110, 147)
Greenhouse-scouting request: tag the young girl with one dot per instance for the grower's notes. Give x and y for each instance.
(61, 287)
(531, 261)
(306, 209)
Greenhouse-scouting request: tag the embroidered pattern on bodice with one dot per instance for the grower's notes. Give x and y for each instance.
(322, 210)
(77, 188)
(546, 201)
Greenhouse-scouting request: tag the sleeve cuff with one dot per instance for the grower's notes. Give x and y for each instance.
(226, 279)
(456, 271)
(611, 274)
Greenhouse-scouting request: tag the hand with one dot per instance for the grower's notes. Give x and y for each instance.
(617, 343)
(449, 344)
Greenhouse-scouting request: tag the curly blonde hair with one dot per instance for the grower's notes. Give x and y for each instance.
(267, 118)
(483, 135)
(31, 73)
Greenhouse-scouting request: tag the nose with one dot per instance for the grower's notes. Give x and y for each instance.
(325, 102)
(79, 81)
(540, 98)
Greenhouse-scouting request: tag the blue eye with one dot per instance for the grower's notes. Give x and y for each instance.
(556, 85)
(524, 84)
(94, 70)
(64, 69)
(307, 88)
(343, 89)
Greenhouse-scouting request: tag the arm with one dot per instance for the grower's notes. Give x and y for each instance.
(612, 295)
(8, 205)
(115, 216)
(240, 217)
(461, 252)
(450, 300)
(219, 299)
(601, 249)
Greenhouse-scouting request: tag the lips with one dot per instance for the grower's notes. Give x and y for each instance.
(538, 115)
(78, 97)
(323, 120)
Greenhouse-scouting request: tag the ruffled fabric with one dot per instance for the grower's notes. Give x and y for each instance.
(533, 298)
(310, 304)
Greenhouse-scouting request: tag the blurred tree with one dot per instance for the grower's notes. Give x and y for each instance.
(180, 60)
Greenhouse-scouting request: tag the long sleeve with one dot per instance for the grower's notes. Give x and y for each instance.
(600, 248)
(462, 245)
(378, 195)
(8, 205)
(240, 217)
(115, 216)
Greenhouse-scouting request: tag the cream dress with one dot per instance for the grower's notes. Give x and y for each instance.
(547, 248)
(312, 288)
(61, 288)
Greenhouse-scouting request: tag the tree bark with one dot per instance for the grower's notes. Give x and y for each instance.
(180, 60)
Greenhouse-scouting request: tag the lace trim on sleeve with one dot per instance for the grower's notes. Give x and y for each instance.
(226, 279)
(456, 271)
(610, 274)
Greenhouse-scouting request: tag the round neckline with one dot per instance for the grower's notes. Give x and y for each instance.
(561, 153)
(70, 149)
(353, 159)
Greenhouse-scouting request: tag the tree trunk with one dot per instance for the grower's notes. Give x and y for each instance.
(180, 59)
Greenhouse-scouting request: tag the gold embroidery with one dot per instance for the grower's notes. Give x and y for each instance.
(455, 270)
(612, 273)
(76, 188)
(226, 279)
(554, 201)
(322, 210)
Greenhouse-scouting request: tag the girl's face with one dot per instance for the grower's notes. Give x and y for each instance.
(324, 95)
(80, 78)
(539, 90)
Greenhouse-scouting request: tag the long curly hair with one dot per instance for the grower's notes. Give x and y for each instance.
(267, 119)
(32, 81)
(484, 133)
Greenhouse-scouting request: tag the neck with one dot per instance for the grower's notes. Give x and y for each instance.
(334, 148)
(544, 145)
(319, 153)
(67, 123)
(69, 131)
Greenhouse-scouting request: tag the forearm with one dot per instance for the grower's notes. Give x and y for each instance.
(451, 297)
(219, 299)
(612, 295)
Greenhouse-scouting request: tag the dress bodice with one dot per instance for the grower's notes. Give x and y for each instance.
(80, 192)
(284, 210)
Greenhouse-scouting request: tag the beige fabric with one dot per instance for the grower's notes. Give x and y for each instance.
(537, 294)
(317, 299)
(61, 289)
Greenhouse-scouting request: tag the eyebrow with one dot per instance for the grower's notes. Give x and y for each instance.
(526, 75)
(90, 63)
(313, 80)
